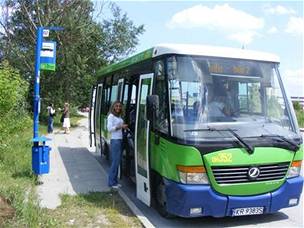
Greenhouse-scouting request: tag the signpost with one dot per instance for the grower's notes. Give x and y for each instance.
(45, 59)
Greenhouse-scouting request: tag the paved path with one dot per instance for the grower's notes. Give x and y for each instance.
(73, 169)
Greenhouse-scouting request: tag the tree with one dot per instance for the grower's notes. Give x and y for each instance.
(83, 47)
(297, 105)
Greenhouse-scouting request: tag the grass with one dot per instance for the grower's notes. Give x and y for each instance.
(94, 210)
(19, 187)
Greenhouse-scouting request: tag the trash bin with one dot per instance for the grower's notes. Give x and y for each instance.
(41, 159)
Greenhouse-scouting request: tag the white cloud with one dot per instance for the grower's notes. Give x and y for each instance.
(238, 25)
(272, 30)
(279, 10)
(220, 17)
(294, 81)
(295, 26)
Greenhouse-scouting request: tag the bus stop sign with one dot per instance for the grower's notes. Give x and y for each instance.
(48, 56)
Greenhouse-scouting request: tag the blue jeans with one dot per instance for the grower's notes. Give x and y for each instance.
(50, 124)
(116, 152)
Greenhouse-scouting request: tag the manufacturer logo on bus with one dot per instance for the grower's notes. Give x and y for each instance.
(253, 173)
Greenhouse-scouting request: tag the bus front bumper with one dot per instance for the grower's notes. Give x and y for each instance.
(200, 200)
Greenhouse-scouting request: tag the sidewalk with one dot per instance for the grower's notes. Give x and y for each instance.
(73, 169)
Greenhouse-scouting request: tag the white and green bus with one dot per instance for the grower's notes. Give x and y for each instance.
(211, 130)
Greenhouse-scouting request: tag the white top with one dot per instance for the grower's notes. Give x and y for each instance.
(50, 110)
(213, 51)
(113, 122)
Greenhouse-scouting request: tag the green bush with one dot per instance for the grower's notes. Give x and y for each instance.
(297, 105)
(13, 92)
(299, 113)
(300, 117)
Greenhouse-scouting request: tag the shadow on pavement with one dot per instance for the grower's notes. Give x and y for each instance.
(89, 181)
(84, 172)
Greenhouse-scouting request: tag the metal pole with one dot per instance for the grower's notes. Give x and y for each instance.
(37, 81)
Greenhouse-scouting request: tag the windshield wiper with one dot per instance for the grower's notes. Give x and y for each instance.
(294, 145)
(240, 141)
(249, 148)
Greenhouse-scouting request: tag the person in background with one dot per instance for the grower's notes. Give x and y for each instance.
(66, 118)
(177, 113)
(51, 114)
(115, 126)
(194, 113)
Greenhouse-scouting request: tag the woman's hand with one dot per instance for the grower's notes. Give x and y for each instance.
(123, 126)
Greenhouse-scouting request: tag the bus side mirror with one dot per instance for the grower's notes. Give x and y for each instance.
(152, 108)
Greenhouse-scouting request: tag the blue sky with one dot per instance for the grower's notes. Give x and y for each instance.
(272, 26)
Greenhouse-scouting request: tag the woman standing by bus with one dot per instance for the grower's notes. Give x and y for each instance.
(115, 126)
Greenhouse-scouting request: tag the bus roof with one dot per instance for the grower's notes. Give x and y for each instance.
(214, 51)
(194, 50)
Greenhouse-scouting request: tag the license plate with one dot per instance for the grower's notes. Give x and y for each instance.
(247, 211)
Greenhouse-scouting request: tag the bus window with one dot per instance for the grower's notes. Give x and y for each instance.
(132, 109)
(133, 95)
(275, 105)
(106, 96)
(161, 91)
(114, 90)
(114, 93)
(120, 89)
(125, 95)
(250, 97)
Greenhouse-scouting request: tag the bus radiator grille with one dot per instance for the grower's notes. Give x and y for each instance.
(239, 174)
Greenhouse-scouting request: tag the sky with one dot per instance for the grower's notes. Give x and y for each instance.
(271, 26)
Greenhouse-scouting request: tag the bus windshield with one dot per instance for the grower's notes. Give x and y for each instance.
(243, 95)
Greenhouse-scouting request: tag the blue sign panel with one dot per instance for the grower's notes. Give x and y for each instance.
(48, 56)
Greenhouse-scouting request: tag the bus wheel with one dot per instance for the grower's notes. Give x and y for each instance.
(161, 200)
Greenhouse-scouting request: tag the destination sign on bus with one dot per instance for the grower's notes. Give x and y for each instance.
(232, 67)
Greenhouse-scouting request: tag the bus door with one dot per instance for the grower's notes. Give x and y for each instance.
(91, 116)
(119, 98)
(142, 140)
(97, 113)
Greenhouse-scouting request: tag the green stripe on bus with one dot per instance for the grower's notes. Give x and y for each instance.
(127, 62)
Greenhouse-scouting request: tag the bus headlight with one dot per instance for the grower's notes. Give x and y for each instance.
(295, 169)
(192, 174)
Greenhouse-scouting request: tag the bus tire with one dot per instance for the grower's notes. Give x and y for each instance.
(160, 199)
